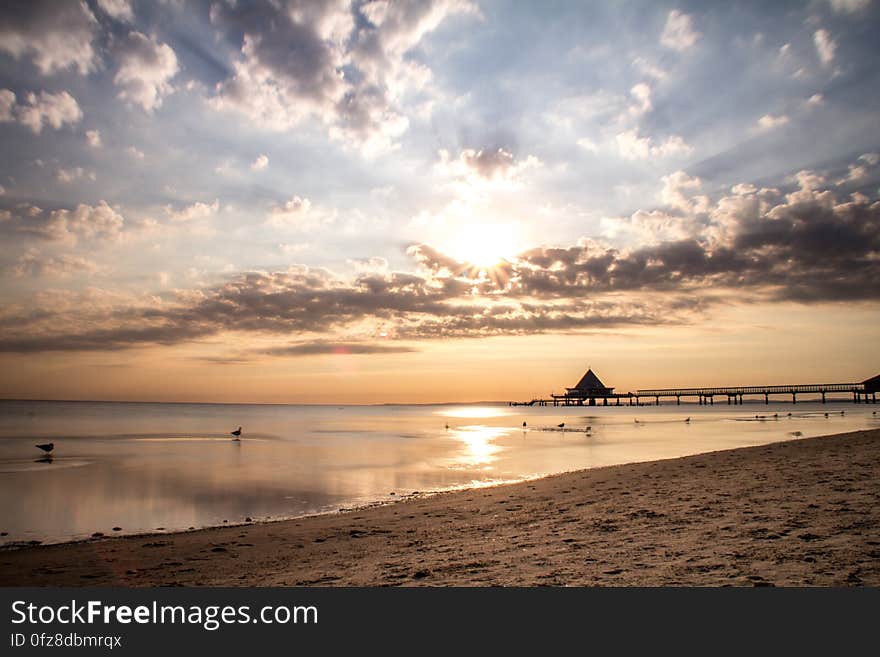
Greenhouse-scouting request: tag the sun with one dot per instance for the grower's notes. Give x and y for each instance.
(483, 245)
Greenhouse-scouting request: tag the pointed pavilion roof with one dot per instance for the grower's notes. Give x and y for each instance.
(589, 381)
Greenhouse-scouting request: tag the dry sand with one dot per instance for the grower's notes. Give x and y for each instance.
(803, 512)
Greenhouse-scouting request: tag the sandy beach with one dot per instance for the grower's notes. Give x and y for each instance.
(798, 513)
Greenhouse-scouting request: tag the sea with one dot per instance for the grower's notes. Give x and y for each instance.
(135, 468)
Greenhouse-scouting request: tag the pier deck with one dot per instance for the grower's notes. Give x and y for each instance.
(864, 392)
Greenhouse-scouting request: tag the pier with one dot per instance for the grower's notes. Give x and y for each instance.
(590, 390)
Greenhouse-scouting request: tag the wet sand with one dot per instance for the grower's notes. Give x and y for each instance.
(799, 513)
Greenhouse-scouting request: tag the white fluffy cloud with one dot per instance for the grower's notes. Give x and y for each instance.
(769, 121)
(849, 6)
(292, 60)
(67, 176)
(290, 212)
(54, 35)
(679, 192)
(63, 225)
(679, 33)
(39, 110)
(825, 46)
(94, 138)
(145, 69)
(260, 163)
(121, 10)
(32, 263)
(197, 210)
(632, 146)
(641, 95)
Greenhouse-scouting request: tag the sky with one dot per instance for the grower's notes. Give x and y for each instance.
(438, 200)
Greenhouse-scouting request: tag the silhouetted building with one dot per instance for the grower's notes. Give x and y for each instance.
(587, 390)
(590, 386)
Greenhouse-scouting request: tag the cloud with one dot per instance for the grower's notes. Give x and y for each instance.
(800, 244)
(290, 212)
(641, 95)
(849, 6)
(860, 170)
(260, 163)
(320, 347)
(679, 33)
(100, 222)
(677, 193)
(825, 46)
(815, 100)
(144, 70)
(342, 64)
(769, 121)
(32, 264)
(119, 9)
(632, 146)
(137, 154)
(93, 137)
(197, 210)
(55, 35)
(7, 106)
(484, 165)
(67, 176)
(649, 68)
(54, 110)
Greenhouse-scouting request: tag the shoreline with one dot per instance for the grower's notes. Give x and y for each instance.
(799, 512)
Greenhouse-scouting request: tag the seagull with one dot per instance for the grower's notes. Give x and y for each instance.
(47, 447)
(843, 412)
(561, 425)
(236, 433)
(826, 414)
(687, 419)
(636, 420)
(524, 425)
(447, 426)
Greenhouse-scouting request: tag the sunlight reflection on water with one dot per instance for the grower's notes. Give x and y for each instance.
(478, 439)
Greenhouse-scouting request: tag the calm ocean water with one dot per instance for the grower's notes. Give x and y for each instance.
(146, 466)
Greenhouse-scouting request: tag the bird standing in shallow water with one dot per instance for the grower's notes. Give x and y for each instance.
(561, 425)
(47, 447)
(236, 433)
